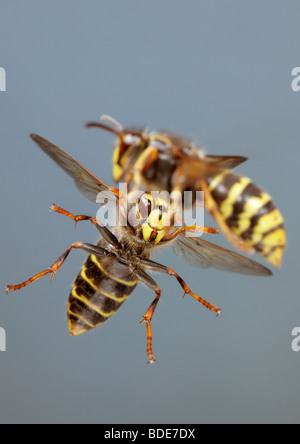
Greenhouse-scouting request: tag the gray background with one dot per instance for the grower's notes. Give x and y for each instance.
(217, 71)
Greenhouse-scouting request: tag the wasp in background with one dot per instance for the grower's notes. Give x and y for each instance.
(165, 161)
(122, 257)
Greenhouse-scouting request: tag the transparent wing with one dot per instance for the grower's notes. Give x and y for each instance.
(202, 254)
(225, 161)
(87, 183)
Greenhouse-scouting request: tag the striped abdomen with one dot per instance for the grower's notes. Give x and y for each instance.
(101, 287)
(250, 213)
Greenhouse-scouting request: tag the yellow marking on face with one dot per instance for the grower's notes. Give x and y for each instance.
(116, 154)
(117, 169)
(154, 219)
(113, 278)
(117, 172)
(159, 236)
(159, 217)
(89, 304)
(226, 208)
(147, 231)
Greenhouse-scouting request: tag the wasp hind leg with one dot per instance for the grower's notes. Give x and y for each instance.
(149, 282)
(159, 268)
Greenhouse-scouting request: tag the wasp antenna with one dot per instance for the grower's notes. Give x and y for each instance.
(113, 122)
(101, 126)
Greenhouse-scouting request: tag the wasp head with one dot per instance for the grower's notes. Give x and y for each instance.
(153, 213)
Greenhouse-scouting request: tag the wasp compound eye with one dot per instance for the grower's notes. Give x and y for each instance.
(144, 205)
(132, 139)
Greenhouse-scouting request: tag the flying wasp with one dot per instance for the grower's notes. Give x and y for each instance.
(164, 161)
(121, 259)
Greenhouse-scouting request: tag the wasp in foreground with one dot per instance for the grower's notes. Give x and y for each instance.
(164, 161)
(121, 259)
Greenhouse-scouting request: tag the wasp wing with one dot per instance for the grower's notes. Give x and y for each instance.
(87, 183)
(203, 254)
(225, 161)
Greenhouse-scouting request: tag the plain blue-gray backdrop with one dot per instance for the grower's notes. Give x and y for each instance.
(217, 71)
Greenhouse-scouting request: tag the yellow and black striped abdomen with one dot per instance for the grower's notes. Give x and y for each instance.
(250, 213)
(101, 287)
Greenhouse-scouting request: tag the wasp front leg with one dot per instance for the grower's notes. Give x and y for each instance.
(192, 229)
(104, 231)
(88, 248)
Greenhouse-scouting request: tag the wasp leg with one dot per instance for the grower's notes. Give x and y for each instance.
(211, 206)
(149, 282)
(159, 268)
(199, 204)
(143, 163)
(104, 231)
(88, 248)
(191, 228)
